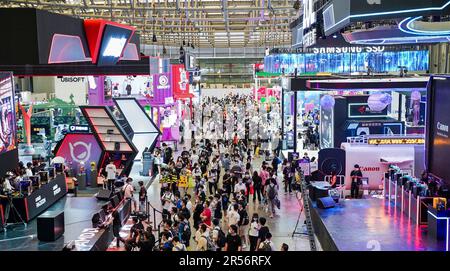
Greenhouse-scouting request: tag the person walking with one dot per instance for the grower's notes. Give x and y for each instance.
(253, 232)
(257, 186)
(234, 241)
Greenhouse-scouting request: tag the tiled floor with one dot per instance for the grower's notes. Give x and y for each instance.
(281, 226)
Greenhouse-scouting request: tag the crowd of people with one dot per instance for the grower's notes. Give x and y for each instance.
(214, 214)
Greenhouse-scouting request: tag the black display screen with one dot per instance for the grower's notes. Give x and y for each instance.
(113, 42)
(438, 128)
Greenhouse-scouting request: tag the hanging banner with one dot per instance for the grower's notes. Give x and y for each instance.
(161, 88)
(180, 81)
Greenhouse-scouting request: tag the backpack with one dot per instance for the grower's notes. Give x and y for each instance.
(272, 192)
(266, 246)
(209, 244)
(186, 234)
(221, 239)
(245, 220)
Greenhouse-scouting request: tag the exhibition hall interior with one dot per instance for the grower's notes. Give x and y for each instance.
(224, 125)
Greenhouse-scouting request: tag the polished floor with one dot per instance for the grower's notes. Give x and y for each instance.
(374, 225)
(78, 213)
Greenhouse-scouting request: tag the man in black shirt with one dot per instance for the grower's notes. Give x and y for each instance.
(263, 230)
(356, 175)
(234, 241)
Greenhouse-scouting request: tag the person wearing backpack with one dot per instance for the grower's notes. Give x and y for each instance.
(243, 224)
(177, 245)
(184, 230)
(267, 245)
(218, 236)
(253, 232)
(272, 196)
(204, 242)
(234, 241)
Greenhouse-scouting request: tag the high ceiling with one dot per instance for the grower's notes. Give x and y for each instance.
(210, 23)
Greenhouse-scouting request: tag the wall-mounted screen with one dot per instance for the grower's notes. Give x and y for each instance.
(8, 114)
(113, 43)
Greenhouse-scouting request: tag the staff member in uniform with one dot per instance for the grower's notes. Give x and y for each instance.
(356, 176)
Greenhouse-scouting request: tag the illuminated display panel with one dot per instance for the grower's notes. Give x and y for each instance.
(396, 141)
(347, 62)
(113, 43)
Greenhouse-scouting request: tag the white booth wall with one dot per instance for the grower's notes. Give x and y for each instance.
(47, 87)
(368, 157)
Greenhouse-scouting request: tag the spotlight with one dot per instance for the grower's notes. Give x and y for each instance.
(154, 39)
(184, 43)
(297, 5)
(192, 46)
(181, 48)
(164, 50)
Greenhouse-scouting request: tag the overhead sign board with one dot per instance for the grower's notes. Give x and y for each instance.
(340, 13)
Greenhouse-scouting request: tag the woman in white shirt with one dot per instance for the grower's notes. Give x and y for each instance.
(253, 232)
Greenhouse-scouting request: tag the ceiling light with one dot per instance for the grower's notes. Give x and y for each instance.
(154, 39)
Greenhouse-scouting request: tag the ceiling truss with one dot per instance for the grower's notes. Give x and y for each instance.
(210, 23)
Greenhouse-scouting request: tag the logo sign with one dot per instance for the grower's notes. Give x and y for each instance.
(344, 50)
(83, 242)
(79, 129)
(309, 19)
(442, 129)
(80, 148)
(40, 201)
(115, 47)
(163, 82)
(362, 110)
(71, 79)
(56, 189)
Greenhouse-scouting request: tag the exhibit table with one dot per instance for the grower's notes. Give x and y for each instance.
(438, 224)
(37, 202)
(99, 239)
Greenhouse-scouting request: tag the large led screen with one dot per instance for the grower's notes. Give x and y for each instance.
(8, 114)
(113, 43)
(438, 128)
(347, 62)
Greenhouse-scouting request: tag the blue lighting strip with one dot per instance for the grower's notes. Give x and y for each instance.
(448, 224)
(405, 26)
(392, 12)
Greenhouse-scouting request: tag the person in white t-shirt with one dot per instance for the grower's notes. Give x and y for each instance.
(233, 216)
(253, 232)
(128, 191)
(111, 172)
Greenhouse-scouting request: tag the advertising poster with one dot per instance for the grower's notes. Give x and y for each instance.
(161, 88)
(79, 149)
(439, 123)
(180, 81)
(8, 114)
(129, 86)
(326, 129)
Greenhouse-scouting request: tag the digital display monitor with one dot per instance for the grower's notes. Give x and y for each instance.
(8, 114)
(113, 43)
(438, 132)
(190, 62)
